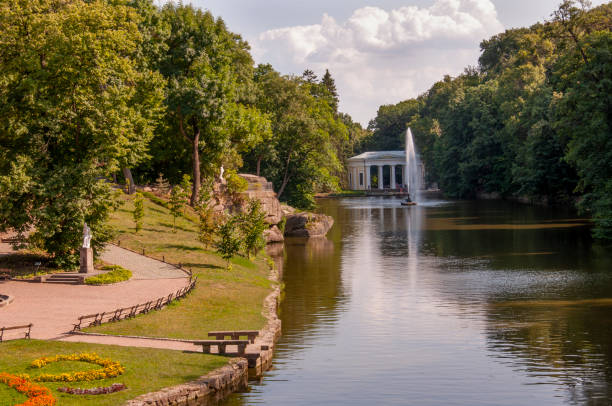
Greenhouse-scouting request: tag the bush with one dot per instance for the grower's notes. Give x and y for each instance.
(235, 183)
(116, 274)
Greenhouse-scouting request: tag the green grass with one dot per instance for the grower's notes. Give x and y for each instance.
(222, 300)
(115, 274)
(146, 369)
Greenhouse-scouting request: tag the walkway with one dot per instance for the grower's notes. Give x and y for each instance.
(53, 308)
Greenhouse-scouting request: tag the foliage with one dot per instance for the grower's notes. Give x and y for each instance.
(252, 226)
(37, 395)
(177, 202)
(532, 121)
(235, 183)
(138, 212)
(110, 368)
(116, 274)
(74, 107)
(230, 240)
(208, 225)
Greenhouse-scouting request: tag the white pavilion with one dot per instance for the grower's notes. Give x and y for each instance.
(382, 170)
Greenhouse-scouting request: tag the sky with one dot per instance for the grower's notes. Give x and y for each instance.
(378, 51)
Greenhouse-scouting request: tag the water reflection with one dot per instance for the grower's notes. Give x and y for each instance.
(447, 303)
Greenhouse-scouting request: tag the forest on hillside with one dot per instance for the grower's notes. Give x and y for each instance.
(532, 120)
(99, 90)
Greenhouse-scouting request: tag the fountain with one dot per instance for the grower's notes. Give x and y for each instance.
(413, 177)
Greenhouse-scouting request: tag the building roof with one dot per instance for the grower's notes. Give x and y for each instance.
(380, 155)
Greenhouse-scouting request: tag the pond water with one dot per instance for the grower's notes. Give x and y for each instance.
(446, 303)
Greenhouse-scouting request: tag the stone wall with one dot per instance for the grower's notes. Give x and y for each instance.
(206, 390)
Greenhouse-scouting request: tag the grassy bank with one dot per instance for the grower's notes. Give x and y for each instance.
(221, 300)
(146, 369)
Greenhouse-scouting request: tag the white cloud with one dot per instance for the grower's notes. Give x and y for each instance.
(379, 56)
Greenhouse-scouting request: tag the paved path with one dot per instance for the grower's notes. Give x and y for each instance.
(142, 267)
(53, 308)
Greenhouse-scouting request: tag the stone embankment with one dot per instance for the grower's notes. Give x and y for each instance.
(220, 383)
(206, 390)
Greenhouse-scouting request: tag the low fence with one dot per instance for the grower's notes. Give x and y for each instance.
(132, 311)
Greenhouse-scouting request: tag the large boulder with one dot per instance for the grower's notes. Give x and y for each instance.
(308, 225)
(273, 234)
(259, 188)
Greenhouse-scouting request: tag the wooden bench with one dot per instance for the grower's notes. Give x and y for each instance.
(221, 344)
(97, 320)
(5, 276)
(235, 335)
(27, 333)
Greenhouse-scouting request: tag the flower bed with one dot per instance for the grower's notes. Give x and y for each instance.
(115, 274)
(37, 395)
(116, 387)
(110, 369)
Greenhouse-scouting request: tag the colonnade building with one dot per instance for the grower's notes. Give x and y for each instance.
(382, 170)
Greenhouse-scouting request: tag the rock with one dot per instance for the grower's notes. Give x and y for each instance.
(287, 210)
(258, 188)
(273, 234)
(308, 225)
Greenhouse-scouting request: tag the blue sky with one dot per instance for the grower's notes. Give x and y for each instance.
(379, 51)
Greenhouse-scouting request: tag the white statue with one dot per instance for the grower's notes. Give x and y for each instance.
(221, 176)
(86, 236)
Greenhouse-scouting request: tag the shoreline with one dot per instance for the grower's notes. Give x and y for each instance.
(233, 377)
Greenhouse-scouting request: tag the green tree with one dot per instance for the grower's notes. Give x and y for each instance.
(138, 212)
(207, 228)
(74, 105)
(176, 204)
(252, 226)
(230, 240)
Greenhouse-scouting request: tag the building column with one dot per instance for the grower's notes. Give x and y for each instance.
(380, 177)
(366, 176)
(392, 176)
(404, 175)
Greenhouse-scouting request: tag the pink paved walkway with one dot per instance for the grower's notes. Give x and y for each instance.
(54, 308)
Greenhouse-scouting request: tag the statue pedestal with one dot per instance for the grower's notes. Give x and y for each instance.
(87, 265)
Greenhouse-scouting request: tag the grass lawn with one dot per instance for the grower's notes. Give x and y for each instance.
(146, 370)
(222, 300)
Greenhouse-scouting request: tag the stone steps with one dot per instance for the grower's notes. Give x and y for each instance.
(67, 279)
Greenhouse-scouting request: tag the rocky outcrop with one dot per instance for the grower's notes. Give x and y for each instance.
(259, 188)
(308, 225)
(273, 234)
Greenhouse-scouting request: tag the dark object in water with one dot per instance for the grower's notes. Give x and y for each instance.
(408, 203)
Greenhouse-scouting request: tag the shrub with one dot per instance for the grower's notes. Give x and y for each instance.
(235, 183)
(116, 274)
(230, 240)
(252, 226)
(138, 212)
(207, 226)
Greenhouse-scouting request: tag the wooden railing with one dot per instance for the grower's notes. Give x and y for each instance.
(132, 311)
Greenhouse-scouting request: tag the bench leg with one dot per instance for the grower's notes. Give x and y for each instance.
(206, 349)
(221, 348)
(241, 348)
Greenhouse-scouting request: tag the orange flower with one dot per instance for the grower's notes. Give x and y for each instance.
(37, 395)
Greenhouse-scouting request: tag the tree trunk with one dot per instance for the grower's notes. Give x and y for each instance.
(258, 164)
(286, 177)
(128, 178)
(195, 189)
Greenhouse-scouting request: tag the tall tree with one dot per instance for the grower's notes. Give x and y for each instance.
(74, 106)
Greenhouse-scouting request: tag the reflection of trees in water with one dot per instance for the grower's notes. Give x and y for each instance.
(454, 231)
(312, 285)
(571, 344)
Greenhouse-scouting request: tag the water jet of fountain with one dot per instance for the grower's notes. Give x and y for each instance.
(413, 177)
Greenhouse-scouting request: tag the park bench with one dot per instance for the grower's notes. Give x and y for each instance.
(97, 320)
(221, 344)
(5, 276)
(27, 333)
(235, 335)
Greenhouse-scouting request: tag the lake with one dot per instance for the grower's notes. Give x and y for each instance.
(445, 303)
